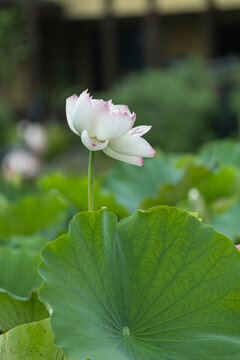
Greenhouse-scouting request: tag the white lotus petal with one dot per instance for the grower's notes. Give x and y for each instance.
(100, 110)
(92, 144)
(139, 130)
(121, 108)
(113, 126)
(132, 145)
(117, 108)
(134, 160)
(82, 113)
(70, 104)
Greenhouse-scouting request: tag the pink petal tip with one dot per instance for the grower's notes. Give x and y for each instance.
(141, 161)
(133, 117)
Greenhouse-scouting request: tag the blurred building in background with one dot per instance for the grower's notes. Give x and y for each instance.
(93, 43)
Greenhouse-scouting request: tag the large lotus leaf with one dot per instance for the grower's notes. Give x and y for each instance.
(121, 180)
(158, 285)
(75, 189)
(19, 275)
(223, 152)
(32, 341)
(31, 214)
(212, 185)
(15, 311)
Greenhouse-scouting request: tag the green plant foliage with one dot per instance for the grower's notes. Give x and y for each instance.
(131, 185)
(12, 46)
(170, 194)
(7, 118)
(18, 278)
(158, 285)
(225, 152)
(75, 190)
(32, 242)
(228, 222)
(16, 311)
(222, 183)
(31, 214)
(19, 275)
(232, 78)
(212, 185)
(30, 342)
(180, 102)
(59, 138)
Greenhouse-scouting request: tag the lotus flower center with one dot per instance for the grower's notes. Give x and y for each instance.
(126, 331)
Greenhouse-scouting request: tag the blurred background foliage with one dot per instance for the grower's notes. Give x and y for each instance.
(180, 102)
(12, 41)
(13, 50)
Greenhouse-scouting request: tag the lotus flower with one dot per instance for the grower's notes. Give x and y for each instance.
(108, 127)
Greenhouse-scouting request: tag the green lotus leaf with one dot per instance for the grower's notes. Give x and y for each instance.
(228, 222)
(32, 242)
(121, 180)
(221, 152)
(32, 341)
(15, 311)
(211, 185)
(75, 189)
(31, 214)
(170, 194)
(223, 183)
(18, 278)
(158, 285)
(19, 275)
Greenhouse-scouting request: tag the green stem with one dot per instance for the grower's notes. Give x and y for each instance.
(90, 181)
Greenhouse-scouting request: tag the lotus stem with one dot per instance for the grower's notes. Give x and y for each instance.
(90, 181)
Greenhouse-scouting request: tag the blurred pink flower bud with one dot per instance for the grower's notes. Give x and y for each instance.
(238, 247)
(108, 127)
(34, 136)
(21, 163)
